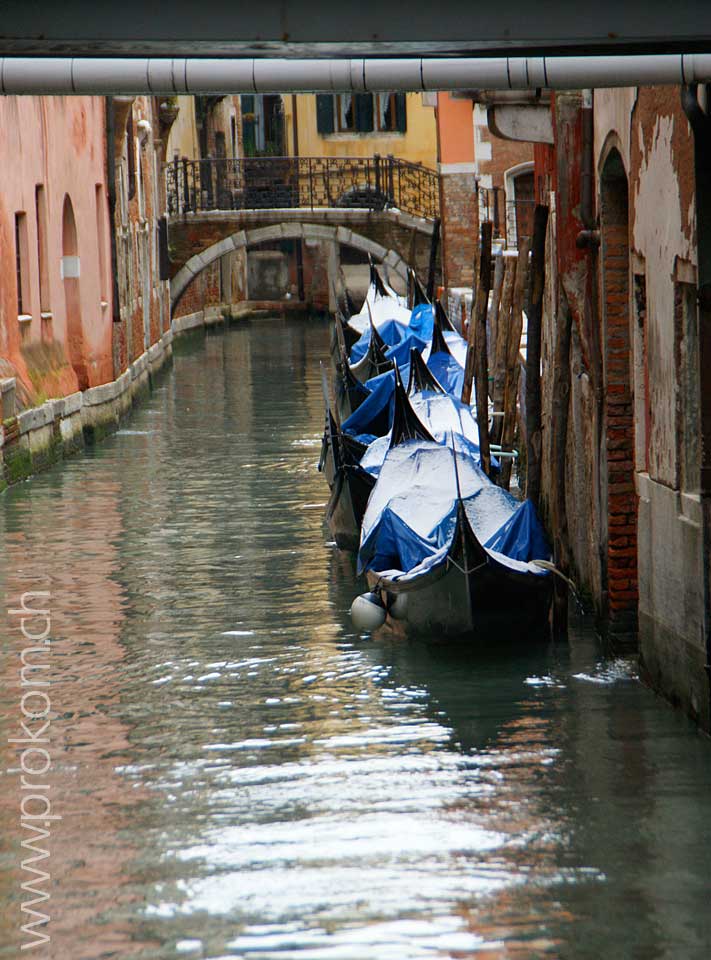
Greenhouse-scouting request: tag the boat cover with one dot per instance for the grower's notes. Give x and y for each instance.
(362, 421)
(448, 371)
(447, 419)
(382, 309)
(411, 518)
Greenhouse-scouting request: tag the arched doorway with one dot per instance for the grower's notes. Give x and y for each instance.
(520, 202)
(619, 498)
(72, 294)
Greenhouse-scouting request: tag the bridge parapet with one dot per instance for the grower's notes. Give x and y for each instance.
(307, 183)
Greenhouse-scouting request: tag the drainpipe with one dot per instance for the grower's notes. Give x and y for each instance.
(701, 126)
(300, 291)
(217, 77)
(111, 192)
(590, 235)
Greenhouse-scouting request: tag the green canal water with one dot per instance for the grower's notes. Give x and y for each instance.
(239, 774)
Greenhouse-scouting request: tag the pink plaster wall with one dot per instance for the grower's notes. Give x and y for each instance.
(58, 142)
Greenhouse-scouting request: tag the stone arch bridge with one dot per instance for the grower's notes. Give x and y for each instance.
(382, 207)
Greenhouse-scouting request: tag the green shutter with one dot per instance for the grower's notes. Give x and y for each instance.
(364, 112)
(400, 113)
(324, 112)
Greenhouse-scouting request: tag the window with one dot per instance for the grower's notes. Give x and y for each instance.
(389, 111)
(23, 298)
(354, 112)
(361, 113)
(131, 155)
(41, 215)
(101, 241)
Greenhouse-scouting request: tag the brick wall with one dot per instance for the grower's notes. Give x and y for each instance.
(203, 292)
(460, 228)
(504, 155)
(621, 496)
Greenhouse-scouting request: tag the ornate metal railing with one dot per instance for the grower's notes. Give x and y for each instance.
(266, 183)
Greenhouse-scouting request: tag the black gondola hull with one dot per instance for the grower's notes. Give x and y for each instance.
(488, 604)
(346, 508)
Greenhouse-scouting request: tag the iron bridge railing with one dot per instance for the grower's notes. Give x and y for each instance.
(266, 183)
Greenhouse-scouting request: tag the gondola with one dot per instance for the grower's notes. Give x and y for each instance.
(381, 304)
(348, 450)
(374, 362)
(350, 484)
(445, 551)
(342, 332)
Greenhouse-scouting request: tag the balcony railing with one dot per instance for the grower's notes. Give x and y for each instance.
(267, 183)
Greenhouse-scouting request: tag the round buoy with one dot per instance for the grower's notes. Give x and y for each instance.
(397, 607)
(368, 612)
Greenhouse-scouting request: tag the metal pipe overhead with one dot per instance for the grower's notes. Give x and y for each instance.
(165, 77)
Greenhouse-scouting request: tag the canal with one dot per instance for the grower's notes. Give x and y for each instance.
(238, 774)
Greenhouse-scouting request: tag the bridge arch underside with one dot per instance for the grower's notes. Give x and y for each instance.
(417, 245)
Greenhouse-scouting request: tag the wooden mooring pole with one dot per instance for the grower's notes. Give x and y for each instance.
(432, 270)
(503, 331)
(477, 363)
(520, 275)
(533, 356)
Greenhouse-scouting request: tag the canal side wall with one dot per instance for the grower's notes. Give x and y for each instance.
(37, 438)
(34, 439)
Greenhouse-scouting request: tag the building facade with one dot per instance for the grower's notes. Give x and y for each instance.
(55, 277)
(623, 384)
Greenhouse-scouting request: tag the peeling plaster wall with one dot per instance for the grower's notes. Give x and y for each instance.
(613, 114)
(143, 298)
(649, 128)
(659, 237)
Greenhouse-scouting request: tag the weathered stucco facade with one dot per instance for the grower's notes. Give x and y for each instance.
(55, 272)
(622, 283)
(139, 141)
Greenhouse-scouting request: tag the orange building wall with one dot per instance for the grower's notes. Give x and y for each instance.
(455, 130)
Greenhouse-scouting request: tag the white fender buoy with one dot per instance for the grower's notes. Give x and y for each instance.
(397, 608)
(368, 612)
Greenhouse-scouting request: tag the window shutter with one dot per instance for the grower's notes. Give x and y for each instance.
(324, 112)
(400, 113)
(364, 112)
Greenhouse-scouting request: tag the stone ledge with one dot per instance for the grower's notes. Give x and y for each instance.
(36, 417)
(139, 366)
(66, 406)
(189, 321)
(105, 393)
(155, 352)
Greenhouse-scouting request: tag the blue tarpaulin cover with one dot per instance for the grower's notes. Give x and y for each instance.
(410, 520)
(392, 332)
(448, 372)
(522, 536)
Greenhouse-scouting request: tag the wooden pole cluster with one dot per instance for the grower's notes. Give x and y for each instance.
(533, 356)
(500, 326)
(477, 366)
(519, 272)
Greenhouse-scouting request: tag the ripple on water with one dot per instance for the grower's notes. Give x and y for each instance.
(239, 774)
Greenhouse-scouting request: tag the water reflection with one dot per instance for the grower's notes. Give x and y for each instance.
(240, 774)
